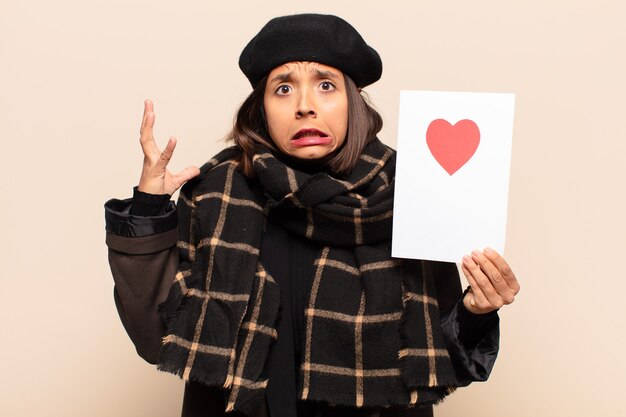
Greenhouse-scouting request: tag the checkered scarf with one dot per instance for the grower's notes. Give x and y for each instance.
(372, 335)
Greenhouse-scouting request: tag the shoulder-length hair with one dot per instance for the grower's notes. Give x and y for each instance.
(250, 127)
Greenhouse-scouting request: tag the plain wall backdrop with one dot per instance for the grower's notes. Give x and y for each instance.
(73, 76)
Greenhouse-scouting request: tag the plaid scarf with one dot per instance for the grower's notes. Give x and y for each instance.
(372, 335)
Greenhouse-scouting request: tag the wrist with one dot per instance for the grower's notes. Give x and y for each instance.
(151, 187)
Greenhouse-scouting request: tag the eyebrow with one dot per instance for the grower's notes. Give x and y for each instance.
(287, 76)
(326, 74)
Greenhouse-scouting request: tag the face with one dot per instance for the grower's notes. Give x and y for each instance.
(307, 109)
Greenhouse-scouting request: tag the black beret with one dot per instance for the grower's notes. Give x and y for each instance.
(326, 39)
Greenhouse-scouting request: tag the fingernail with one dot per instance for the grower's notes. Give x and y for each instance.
(467, 260)
(476, 253)
(488, 251)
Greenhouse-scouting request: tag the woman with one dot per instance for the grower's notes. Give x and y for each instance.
(285, 299)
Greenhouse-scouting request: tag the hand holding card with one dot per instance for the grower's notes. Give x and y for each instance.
(492, 282)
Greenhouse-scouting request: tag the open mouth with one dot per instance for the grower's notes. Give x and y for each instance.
(309, 133)
(311, 137)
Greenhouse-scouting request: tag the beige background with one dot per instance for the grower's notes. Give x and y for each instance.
(73, 74)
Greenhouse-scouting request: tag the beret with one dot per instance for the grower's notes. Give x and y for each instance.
(326, 39)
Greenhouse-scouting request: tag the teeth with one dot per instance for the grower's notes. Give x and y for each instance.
(308, 135)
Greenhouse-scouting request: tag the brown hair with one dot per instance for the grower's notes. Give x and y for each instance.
(250, 127)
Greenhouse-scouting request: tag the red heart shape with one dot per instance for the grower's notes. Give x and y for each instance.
(452, 146)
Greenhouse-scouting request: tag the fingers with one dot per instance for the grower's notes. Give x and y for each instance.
(491, 280)
(166, 155)
(182, 177)
(485, 294)
(477, 301)
(146, 137)
(159, 165)
(504, 268)
(155, 177)
(152, 154)
(148, 107)
(187, 174)
(497, 288)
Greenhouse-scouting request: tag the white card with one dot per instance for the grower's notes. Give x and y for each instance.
(452, 173)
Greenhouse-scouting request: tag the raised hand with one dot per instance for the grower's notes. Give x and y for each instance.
(492, 282)
(155, 177)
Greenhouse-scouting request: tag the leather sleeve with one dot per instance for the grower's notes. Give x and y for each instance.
(473, 340)
(143, 260)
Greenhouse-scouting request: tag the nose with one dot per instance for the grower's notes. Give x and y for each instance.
(306, 105)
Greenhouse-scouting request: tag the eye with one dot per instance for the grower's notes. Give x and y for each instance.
(327, 86)
(283, 90)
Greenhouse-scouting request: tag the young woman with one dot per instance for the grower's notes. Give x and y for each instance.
(285, 299)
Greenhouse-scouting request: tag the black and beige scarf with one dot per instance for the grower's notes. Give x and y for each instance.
(372, 335)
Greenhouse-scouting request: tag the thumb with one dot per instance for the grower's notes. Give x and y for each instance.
(187, 174)
(469, 301)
